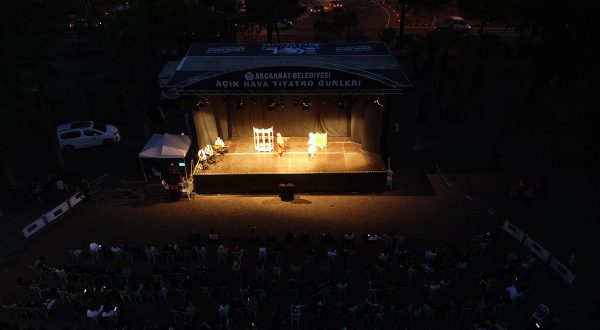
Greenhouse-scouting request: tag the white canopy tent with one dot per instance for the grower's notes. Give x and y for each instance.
(166, 146)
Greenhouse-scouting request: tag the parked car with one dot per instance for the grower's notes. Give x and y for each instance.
(455, 23)
(83, 134)
(317, 10)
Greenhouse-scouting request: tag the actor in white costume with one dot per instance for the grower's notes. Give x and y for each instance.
(312, 145)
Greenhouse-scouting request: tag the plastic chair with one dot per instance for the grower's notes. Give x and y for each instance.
(295, 318)
(541, 312)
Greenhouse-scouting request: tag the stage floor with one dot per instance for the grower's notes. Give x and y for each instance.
(340, 156)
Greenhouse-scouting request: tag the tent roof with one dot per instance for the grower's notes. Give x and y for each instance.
(166, 146)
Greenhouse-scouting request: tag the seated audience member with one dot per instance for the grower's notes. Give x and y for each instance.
(190, 309)
(59, 185)
(253, 236)
(40, 263)
(95, 313)
(150, 250)
(332, 253)
(328, 237)
(529, 194)
(212, 236)
(517, 190)
(51, 304)
(372, 237)
(289, 236)
(95, 247)
(21, 282)
(349, 236)
(461, 264)
(110, 313)
(512, 292)
(116, 250)
(219, 142)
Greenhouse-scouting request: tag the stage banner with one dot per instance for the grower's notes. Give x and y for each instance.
(289, 78)
(56, 212)
(75, 199)
(563, 271)
(282, 49)
(34, 227)
(514, 231)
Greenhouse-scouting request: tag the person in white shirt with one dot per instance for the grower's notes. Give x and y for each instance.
(312, 145)
(202, 155)
(94, 313)
(59, 185)
(219, 142)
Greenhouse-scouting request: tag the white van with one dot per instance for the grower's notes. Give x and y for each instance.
(455, 23)
(83, 134)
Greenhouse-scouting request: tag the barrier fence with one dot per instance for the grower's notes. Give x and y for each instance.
(512, 230)
(64, 207)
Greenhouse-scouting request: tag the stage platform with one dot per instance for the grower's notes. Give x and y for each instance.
(339, 167)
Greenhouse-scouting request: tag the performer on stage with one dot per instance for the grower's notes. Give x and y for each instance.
(280, 144)
(219, 142)
(312, 144)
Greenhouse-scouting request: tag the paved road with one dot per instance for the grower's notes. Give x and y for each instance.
(373, 17)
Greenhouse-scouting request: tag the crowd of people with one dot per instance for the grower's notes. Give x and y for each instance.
(344, 281)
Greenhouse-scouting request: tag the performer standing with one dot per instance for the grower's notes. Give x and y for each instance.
(280, 144)
(312, 144)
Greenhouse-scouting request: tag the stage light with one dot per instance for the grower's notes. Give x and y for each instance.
(378, 102)
(282, 103)
(306, 103)
(201, 102)
(239, 103)
(272, 104)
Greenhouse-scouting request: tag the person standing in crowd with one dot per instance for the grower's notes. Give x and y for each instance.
(84, 186)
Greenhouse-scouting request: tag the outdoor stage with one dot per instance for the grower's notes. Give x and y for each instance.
(339, 167)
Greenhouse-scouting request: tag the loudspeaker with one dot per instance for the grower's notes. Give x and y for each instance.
(286, 192)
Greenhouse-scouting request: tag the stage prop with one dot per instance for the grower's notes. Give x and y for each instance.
(263, 139)
(321, 139)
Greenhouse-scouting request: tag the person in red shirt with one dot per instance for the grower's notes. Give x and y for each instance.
(280, 144)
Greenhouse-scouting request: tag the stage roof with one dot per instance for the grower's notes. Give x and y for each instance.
(238, 68)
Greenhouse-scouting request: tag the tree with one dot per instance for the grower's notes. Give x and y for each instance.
(554, 75)
(487, 11)
(266, 13)
(415, 5)
(30, 27)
